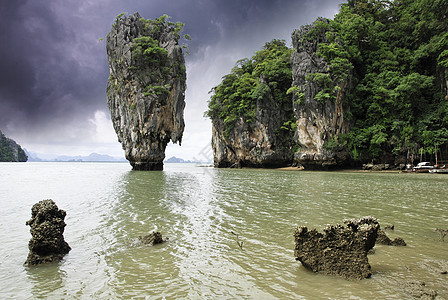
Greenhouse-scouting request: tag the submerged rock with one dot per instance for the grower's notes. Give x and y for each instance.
(153, 238)
(389, 227)
(434, 266)
(47, 227)
(340, 250)
(442, 232)
(146, 87)
(418, 289)
(383, 239)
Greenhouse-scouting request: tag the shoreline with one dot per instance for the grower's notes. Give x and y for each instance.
(341, 170)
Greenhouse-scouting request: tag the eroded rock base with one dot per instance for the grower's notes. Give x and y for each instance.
(147, 166)
(340, 250)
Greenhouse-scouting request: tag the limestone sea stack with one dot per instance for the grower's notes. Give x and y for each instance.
(47, 228)
(146, 87)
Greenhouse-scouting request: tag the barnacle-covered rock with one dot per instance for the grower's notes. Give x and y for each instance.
(340, 250)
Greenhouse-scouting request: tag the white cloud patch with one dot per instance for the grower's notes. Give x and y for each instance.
(104, 131)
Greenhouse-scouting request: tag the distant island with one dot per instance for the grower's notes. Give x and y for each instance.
(174, 159)
(92, 157)
(10, 151)
(95, 157)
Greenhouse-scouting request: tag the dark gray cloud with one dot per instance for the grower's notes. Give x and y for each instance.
(41, 78)
(53, 66)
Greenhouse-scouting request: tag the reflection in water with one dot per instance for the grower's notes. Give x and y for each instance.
(46, 280)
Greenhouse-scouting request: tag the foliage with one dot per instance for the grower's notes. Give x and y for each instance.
(397, 51)
(146, 51)
(7, 150)
(298, 94)
(392, 54)
(266, 74)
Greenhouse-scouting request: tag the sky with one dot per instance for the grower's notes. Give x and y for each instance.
(54, 70)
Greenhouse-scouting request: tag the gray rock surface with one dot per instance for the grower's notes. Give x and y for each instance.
(47, 228)
(317, 122)
(340, 250)
(257, 144)
(146, 88)
(152, 238)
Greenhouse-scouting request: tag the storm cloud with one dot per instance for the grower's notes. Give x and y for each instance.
(53, 64)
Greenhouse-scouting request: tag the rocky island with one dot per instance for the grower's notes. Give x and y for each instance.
(351, 91)
(251, 116)
(10, 151)
(146, 87)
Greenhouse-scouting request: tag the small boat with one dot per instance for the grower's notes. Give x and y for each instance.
(439, 170)
(423, 167)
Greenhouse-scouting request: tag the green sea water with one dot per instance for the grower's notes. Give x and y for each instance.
(200, 209)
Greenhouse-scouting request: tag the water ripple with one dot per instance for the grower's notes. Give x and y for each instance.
(201, 210)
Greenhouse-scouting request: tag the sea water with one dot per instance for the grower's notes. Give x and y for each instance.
(230, 231)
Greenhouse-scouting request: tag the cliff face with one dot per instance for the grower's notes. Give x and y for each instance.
(298, 123)
(146, 88)
(256, 144)
(10, 151)
(251, 113)
(318, 122)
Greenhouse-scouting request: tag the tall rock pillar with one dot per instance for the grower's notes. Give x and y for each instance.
(318, 105)
(146, 87)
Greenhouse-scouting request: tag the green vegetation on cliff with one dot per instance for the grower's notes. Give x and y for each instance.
(393, 58)
(399, 50)
(10, 151)
(268, 71)
(150, 59)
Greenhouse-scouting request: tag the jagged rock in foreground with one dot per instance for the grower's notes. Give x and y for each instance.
(319, 121)
(152, 239)
(146, 87)
(340, 250)
(47, 227)
(10, 151)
